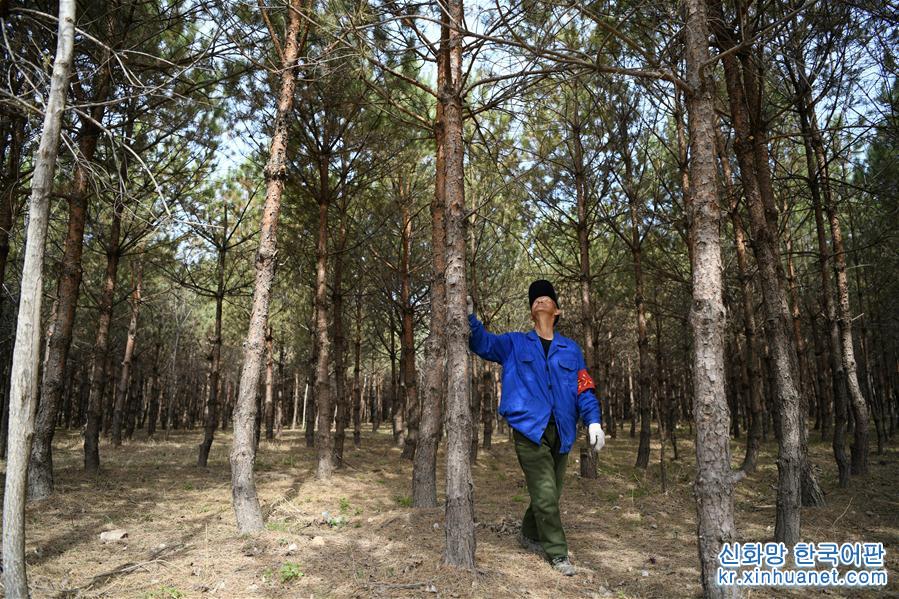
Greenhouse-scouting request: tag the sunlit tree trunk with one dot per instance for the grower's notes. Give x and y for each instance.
(121, 392)
(243, 449)
(424, 463)
(819, 171)
(459, 527)
(810, 492)
(714, 479)
(777, 316)
(26, 352)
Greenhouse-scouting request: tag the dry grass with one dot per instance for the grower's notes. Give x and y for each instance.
(627, 537)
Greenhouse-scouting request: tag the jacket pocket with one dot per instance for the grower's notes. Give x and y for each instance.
(568, 373)
(527, 368)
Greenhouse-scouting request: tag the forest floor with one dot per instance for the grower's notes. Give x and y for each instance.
(357, 536)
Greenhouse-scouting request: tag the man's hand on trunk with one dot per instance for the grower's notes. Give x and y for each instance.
(597, 436)
(470, 304)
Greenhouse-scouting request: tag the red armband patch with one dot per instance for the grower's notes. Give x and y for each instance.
(584, 381)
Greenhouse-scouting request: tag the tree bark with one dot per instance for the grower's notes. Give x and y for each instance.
(125, 378)
(424, 463)
(865, 344)
(810, 492)
(777, 315)
(99, 376)
(215, 352)
(859, 447)
(749, 366)
(8, 192)
(396, 399)
(407, 340)
(26, 353)
(588, 456)
(841, 314)
(268, 410)
(459, 528)
(323, 438)
(812, 495)
(243, 450)
(40, 469)
(310, 406)
(343, 405)
(714, 480)
(643, 382)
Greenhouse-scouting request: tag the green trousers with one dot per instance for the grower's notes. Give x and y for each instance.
(544, 472)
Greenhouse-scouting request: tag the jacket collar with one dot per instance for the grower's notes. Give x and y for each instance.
(557, 338)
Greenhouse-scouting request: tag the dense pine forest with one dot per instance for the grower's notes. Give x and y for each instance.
(240, 243)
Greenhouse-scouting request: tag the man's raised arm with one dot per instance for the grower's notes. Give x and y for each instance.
(495, 348)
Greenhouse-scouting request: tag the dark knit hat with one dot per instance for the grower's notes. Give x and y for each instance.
(539, 288)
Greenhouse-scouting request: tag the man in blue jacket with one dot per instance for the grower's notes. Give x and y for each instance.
(545, 388)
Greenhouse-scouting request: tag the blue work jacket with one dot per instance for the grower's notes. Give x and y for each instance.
(536, 385)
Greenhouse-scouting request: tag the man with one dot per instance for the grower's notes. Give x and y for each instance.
(545, 388)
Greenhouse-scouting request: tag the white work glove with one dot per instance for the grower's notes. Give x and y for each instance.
(597, 436)
(470, 304)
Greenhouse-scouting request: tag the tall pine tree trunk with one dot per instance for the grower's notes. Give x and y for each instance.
(866, 342)
(407, 339)
(635, 244)
(340, 399)
(750, 371)
(243, 450)
(588, 456)
(810, 492)
(777, 316)
(99, 378)
(643, 382)
(859, 445)
(843, 313)
(323, 439)
(835, 350)
(40, 469)
(459, 528)
(121, 392)
(26, 353)
(268, 402)
(215, 352)
(396, 399)
(714, 480)
(424, 464)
